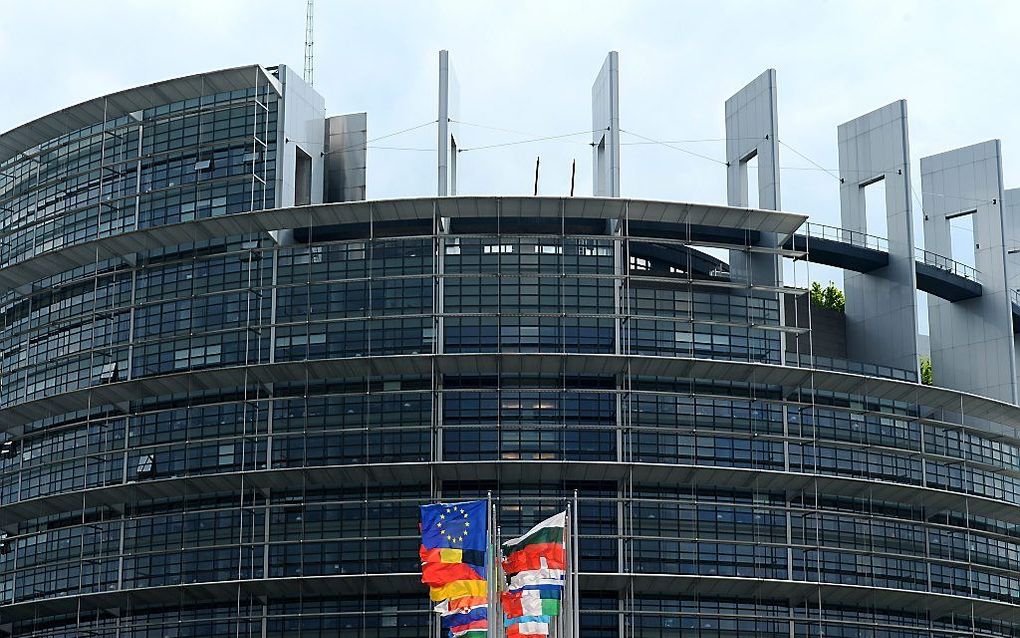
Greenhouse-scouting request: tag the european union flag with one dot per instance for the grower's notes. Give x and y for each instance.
(456, 526)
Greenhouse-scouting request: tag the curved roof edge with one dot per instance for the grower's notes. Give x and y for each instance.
(72, 118)
(65, 258)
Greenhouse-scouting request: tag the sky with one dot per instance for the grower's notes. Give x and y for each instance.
(528, 66)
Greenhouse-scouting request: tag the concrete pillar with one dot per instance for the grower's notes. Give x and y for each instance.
(971, 340)
(752, 126)
(605, 124)
(449, 106)
(881, 305)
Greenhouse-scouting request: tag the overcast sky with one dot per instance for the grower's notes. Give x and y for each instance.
(529, 65)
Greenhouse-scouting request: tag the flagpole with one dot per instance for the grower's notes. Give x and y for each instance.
(575, 572)
(565, 619)
(501, 579)
(490, 559)
(497, 572)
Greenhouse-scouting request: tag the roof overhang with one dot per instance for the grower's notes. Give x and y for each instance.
(393, 210)
(114, 105)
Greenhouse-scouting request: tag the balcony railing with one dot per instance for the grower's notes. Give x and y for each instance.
(945, 263)
(846, 236)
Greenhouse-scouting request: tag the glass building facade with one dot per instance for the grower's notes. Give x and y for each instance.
(227, 431)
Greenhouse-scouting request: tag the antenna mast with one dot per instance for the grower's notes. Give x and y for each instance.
(310, 43)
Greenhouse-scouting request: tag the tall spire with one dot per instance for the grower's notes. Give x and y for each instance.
(310, 43)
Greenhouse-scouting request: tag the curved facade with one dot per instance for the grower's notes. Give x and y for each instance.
(220, 412)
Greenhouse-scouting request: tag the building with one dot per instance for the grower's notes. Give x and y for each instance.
(227, 380)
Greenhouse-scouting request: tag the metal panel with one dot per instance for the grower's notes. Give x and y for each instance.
(605, 125)
(303, 127)
(752, 125)
(449, 109)
(881, 304)
(1011, 215)
(346, 158)
(972, 345)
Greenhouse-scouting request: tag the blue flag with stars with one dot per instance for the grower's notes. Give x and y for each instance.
(455, 526)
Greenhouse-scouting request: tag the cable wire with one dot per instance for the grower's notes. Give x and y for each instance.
(675, 148)
(805, 157)
(381, 137)
(528, 141)
(402, 148)
(509, 130)
(406, 130)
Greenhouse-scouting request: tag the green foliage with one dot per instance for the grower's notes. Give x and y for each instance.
(830, 297)
(927, 375)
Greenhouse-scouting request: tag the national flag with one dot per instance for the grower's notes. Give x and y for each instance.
(460, 589)
(447, 555)
(454, 538)
(532, 602)
(457, 605)
(455, 526)
(471, 633)
(465, 618)
(537, 577)
(542, 540)
(545, 591)
(531, 627)
(474, 625)
(521, 620)
(439, 574)
(537, 557)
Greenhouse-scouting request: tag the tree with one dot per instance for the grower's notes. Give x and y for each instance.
(927, 374)
(830, 297)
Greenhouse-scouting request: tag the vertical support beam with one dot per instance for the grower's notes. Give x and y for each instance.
(971, 340)
(752, 127)
(346, 157)
(881, 305)
(449, 102)
(605, 125)
(1011, 215)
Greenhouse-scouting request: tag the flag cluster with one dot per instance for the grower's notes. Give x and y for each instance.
(454, 539)
(536, 564)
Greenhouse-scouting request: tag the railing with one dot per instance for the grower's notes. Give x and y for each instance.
(945, 263)
(1014, 296)
(846, 236)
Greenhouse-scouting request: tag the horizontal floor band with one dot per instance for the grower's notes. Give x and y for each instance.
(795, 593)
(999, 419)
(358, 477)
